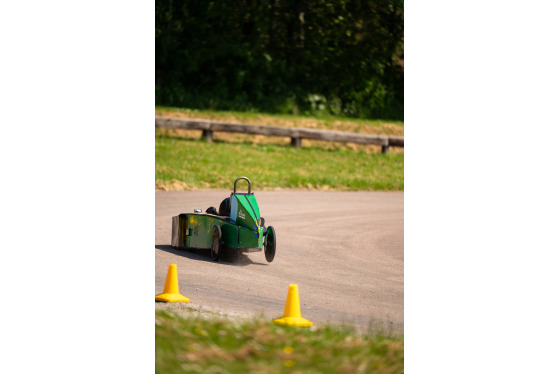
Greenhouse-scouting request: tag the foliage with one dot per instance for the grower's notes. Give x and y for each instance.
(341, 57)
(200, 345)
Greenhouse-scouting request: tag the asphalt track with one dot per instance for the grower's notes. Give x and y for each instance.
(344, 250)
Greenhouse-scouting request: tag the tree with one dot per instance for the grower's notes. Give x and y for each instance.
(282, 55)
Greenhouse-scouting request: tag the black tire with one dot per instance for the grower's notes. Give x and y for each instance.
(216, 250)
(270, 244)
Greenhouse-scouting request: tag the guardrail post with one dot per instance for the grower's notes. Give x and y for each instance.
(207, 134)
(296, 142)
(384, 149)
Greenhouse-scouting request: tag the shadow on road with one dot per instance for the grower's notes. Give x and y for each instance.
(232, 259)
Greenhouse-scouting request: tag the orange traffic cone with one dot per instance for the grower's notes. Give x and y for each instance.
(292, 311)
(171, 289)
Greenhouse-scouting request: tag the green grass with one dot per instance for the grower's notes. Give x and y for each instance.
(200, 345)
(184, 163)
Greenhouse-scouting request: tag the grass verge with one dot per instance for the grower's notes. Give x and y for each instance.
(188, 164)
(203, 345)
(183, 162)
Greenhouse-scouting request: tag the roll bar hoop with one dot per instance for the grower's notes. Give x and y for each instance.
(235, 184)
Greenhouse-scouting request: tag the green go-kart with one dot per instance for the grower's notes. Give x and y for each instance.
(236, 227)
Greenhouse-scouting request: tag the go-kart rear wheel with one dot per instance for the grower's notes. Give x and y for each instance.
(270, 244)
(216, 250)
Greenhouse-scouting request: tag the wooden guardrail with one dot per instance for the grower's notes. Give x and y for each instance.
(296, 133)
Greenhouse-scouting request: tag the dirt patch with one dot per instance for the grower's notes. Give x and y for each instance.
(174, 185)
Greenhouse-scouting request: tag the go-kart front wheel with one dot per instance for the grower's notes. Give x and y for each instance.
(270, 244)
